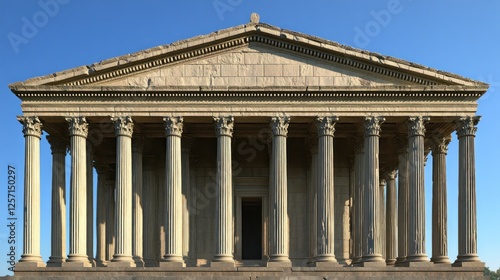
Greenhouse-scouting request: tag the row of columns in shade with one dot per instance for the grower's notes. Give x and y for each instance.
(367, 241)
(405, 240)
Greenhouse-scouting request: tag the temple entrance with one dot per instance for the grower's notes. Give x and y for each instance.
(251, 225)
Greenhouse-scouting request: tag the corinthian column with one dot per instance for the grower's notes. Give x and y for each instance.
(173, 178)
(467, 224)
(110, 215)
(381, 216)
(32, 129)
(402, 200)
(372, 249)
(124, 127)
(224, 194)
(90, 203)
(278, 253)
(416, 194)
(325, 223)
(439, 203)
(137, 201)
(101, 222)
(150, 212)
(391, 216)
(78, 130)
(58, 145)
(358, 199)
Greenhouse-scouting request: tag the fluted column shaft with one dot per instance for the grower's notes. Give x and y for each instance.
(372, 249)
(78, 130)
(186, 194)
(58, 146)
(278, 221)
(391, 219)
(467, 223)
(325, 188)
(416, 193)
(101, 216)
(123, 218)
(173, 188)
(137, 201)
(358, 199)
(150, 212)
(110, 216)
(90, 202)
(439, 200)
(32, 130)
(381, 216)
(402, 201)
(224, 191)
(312, 199)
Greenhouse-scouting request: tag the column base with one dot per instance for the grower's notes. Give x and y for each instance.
(468, 264)
(440, 260)
(417, 258)
(468, 258)
(326, 264)
(30, 258)
(75, 258)
(279, 261)
(371, 260)
(325, 258)
(74, 264)
(92, 262)
(416, 264)
(390, 262)
(55, 261)
(400, 260)
(172, 261)
(121, 261)
(138, 261)
(150, 263)
(356, 260)
(101, 263)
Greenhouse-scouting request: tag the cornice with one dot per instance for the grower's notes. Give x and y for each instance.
(263, 34)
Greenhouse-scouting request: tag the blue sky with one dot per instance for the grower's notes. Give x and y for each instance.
(456, 36)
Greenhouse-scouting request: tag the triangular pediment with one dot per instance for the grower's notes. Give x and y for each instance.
(255, 55)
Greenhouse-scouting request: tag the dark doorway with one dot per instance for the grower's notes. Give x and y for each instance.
(251, 227)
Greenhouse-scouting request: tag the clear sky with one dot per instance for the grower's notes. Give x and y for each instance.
(41, 37)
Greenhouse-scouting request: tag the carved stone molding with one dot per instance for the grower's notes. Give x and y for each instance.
(124, 126)
(279, 126)
(174, 126)
(372, 126)
(326, 125)
(224, 126)
(467, 126)
(391, 175)
(78, 126)
(416, 126)
(440, 144)
(32, 126)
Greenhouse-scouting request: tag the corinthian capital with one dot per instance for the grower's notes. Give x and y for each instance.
(416, 126)
(440, 144)
(326, 125)
(78, 126)
(467, 126)
(32, 126)
(124, 126)
(58, 144)
(173, 126)
(279, 126)
(372, 126)
(224, 126)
